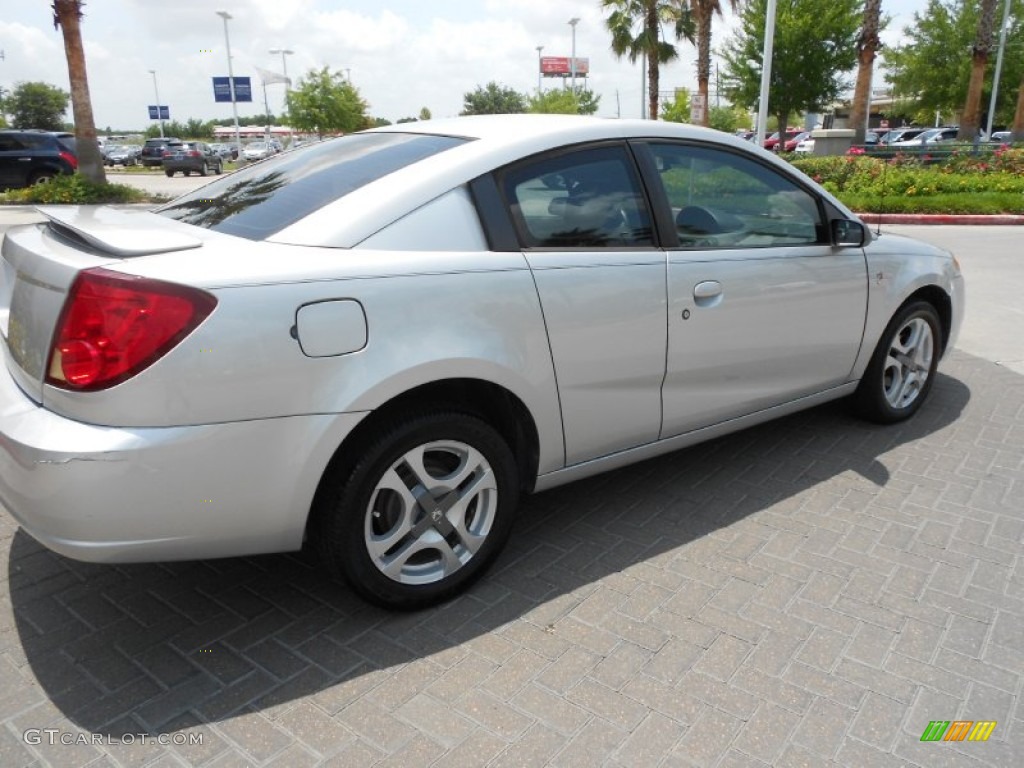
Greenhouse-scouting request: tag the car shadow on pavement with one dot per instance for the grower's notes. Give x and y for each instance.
(170, 647)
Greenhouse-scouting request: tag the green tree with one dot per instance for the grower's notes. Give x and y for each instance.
(563, 101)
(403, 120)
(638, 31)
(703, 11)
(198, 129)
(677, 110)
(931, 70)
(379, 122)
(868, 44)
(37, 105)
(728, 119)
(326, 102)
(493, 99)
(67, 16)
(425, 114)
(815, 45)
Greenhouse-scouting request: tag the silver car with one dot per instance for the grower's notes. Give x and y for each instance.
(374, 345)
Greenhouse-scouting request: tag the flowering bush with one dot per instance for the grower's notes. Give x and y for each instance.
(867, 178)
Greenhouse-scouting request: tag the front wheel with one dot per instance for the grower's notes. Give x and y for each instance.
(425, 510)
(902, 369)
(169, 173)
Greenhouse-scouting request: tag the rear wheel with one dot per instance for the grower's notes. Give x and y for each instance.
(902, 369)
(423, 512)
(205, 169)
(41, 177)
(169, 173)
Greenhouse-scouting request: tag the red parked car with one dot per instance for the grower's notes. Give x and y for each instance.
(772, 142)
(790, 145)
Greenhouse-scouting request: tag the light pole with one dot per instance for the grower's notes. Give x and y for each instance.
(159, 114)
(766, 75)
(284, 63)
(231, 80)
(999, 70)
(572, 62)
(284, 67)
(540, 72)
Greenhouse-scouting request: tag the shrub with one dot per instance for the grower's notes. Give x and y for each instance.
(74, 189)
(964, 183)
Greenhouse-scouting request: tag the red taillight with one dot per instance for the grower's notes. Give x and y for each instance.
(70, 160)
(193, 153)
(114, 325)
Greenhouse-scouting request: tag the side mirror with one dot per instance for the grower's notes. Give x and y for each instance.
(848, 234)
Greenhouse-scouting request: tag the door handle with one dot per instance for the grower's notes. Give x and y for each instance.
(707, 290)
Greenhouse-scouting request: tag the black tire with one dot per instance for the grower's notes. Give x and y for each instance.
(40, 177)
(205, 169)
(356, 510)
(891, 389)
(218, 168)
(169, 173)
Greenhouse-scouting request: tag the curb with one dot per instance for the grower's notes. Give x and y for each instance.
(940, 218)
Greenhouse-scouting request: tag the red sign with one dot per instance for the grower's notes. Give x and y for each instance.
(561, 66)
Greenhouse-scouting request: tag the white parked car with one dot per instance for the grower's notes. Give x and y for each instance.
(374, 345)
(257, 150)
(805, 147)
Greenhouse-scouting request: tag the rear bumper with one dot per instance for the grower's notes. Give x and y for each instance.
(105, 494)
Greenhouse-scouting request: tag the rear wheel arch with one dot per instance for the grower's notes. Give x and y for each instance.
(456, 404)
(490, 402)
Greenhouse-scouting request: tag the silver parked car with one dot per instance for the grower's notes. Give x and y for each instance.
(376, 344)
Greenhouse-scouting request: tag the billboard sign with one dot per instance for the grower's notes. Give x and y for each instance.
(561, 66)
(222, 89)
(163, 114)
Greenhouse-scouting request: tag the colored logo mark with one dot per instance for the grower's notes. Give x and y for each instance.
(958, 730)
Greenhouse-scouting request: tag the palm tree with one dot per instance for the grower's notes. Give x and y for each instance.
(1018, 117)
(636, 27)
(67, 14)
(868, 44)
(703, 10)
(983, 40)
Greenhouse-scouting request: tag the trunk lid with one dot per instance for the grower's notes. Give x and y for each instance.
(39, 262)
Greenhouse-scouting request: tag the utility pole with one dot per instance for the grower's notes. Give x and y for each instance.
(572, 63)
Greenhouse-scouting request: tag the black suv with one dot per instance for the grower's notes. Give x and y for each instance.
(30, 157)
(153, 150)
(192, 156)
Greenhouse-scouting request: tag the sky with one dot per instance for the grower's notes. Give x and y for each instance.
(402, 55)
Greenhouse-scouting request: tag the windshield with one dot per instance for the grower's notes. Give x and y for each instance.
(256, 202)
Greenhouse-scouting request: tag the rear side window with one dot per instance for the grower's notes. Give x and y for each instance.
(256, 202)
(588, 198)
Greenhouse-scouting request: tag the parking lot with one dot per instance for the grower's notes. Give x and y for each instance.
(811, 592)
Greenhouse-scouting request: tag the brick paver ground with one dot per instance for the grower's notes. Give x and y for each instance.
(811, 592)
